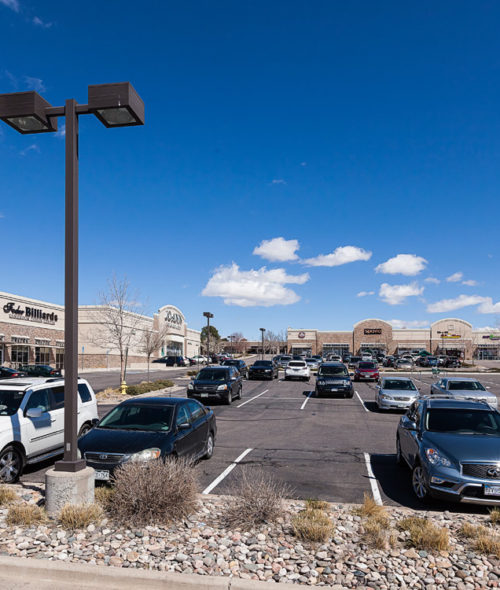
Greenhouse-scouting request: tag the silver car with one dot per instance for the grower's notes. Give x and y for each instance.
(404, 364)
(313, 363)
(464, 388)
(395, 393)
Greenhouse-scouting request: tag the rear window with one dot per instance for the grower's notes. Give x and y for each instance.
(366, 365)
(465, 386)
(297, 364)
(263, 364)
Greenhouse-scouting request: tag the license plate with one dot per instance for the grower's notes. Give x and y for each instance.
(491, 490)
(102, 474)
(204, 395)
(334, 389)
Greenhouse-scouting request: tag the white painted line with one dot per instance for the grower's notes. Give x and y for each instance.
(226, 472)
(373, 480)
(306, 400)
(252, 398)
(362, 402)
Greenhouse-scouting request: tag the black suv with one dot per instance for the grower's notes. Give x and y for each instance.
(239, 364)
(263, 370)
(333, 379)
(216, 383)
(171, 361)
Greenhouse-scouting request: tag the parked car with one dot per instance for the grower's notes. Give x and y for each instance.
(299, 357)
(239, 364)
(312, 363)
(218, 382)
(200, 359)
(366, 371)
(380, 357)
(442, 360)
(334, 358)
(148, 429)
(395, 393)
(366, 357)
(297, 370)
(32, 421)
(353, 361)
(346, 358)
(7, 373)
(453, 450)
(403, 364)
(453, 363)
(318, 357)
(464, 388)
(428, 361)
(263, 370)
(333, 379)
(40, 371)
(173, 361)
(389, 361)
(284, 360)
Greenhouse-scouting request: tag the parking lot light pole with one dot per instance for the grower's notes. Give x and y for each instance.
(208, 315)
(262, 330)
(115, 105)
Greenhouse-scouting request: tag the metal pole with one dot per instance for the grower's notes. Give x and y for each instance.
(208, 339)
(70, 461)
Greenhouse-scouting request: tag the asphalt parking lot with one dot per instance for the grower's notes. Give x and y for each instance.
(333, 449)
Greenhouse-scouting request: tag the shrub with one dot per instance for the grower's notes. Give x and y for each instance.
(487, 543)
(104, 496)
(80, 516)
(315, 504)
(312, 525)
(468, 530)
(192, 373)
(7, 495)
(424, 534)
(146, 386)
(495, 515)
(370, 509)
(27, 514)
(154, 492)
(377, 534)
(257, 498)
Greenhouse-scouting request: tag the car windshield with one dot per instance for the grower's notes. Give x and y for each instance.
(463, 421)
(230, 363)
(366, 365)
(212, 375)
(332, 371)
(465, 386)
(399, 384)
(10, 400)
(157, 418)
(297, 364)
(263, 364)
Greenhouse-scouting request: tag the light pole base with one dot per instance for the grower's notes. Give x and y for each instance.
(63, 487)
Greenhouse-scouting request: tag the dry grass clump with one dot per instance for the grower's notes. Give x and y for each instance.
(495, 515)
(312, 525)
(257, 498)
(80, 516)
(25, 514)
(104, 496)
(7, 495)
(315, 504)
(377, 534)
(154, 492)
(424, 534)
(484, 540)
(370, 509)
(468, 530)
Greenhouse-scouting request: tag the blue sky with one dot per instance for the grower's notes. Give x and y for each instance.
(356, 132)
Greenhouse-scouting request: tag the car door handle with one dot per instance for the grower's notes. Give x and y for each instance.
(52, 420)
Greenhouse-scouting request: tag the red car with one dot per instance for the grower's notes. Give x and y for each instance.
(366, 370)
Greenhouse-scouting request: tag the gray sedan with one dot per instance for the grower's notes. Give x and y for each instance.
(453, 450)
(464, 388)
(396, 393)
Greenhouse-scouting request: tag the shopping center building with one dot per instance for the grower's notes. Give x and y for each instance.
(32, 332)
(452, 336)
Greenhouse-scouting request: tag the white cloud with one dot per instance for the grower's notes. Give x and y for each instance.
(487, 329)
(446, 305)
(415, 324)
(61, 131)
(365, 293)
(31, 148)
(35, 84)
(249, 288)
(13, 4)
(341, 255)
(396, 294)
(39, 23)
(455, 277)
(488, 306)
(432, 280)
(402, 264)
(469, 283)
(277, 249)
(278, 181)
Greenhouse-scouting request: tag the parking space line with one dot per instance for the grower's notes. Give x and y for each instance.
(362, 402)
(252, 398)
(226, 472)
(306, 400)
(373, 480)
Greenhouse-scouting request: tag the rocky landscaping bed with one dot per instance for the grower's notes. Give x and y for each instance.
(357, 553)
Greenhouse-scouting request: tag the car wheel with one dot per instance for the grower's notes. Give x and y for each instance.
(229, 398)
(11, 464)
(418, 483)
(209, 447)
(240, 394)
(84, 429)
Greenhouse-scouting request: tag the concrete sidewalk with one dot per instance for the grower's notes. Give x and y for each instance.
(17, 573)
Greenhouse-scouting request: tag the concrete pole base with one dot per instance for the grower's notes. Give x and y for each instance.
(63, 487)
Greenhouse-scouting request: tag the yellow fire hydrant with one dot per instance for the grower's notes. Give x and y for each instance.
(123, 388)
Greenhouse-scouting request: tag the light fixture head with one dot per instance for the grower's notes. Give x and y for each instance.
(116, 105)
(25, 112)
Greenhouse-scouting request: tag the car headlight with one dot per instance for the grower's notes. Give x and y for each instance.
(222, 387)
(436, 458)
(268, 370)
(321, 381)
(385, 396)
(347, 382)
(190, 386)
(78, 454)
(145, 455)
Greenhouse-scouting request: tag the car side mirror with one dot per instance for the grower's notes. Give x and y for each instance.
(408, 424)
(34, 413)
(184, 426)
(94, 422)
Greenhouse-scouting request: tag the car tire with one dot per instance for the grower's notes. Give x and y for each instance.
(86, 427)
(229, 398)
(11, 464)
(418, 483)
(209, 447)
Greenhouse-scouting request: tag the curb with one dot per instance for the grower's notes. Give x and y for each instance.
(30, 574)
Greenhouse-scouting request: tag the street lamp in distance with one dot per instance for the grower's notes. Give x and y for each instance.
(262, 330)
(208, 315)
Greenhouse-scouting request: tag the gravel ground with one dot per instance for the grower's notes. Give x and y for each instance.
(203, 546)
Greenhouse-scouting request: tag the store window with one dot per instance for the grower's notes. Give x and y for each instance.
(42, 355)
(59, 358)
(20, 355)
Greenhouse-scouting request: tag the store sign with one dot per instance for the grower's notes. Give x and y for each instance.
(452, 336)
(301, 334)
(370, 331)
(173, 319)
(30, 314)
(492, 337)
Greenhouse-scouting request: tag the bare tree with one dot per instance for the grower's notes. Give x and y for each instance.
(237, 342)
(118, 319)
(151, 341)
(273, 341)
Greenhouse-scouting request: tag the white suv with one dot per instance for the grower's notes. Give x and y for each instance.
(32, 421)
(297, 370)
